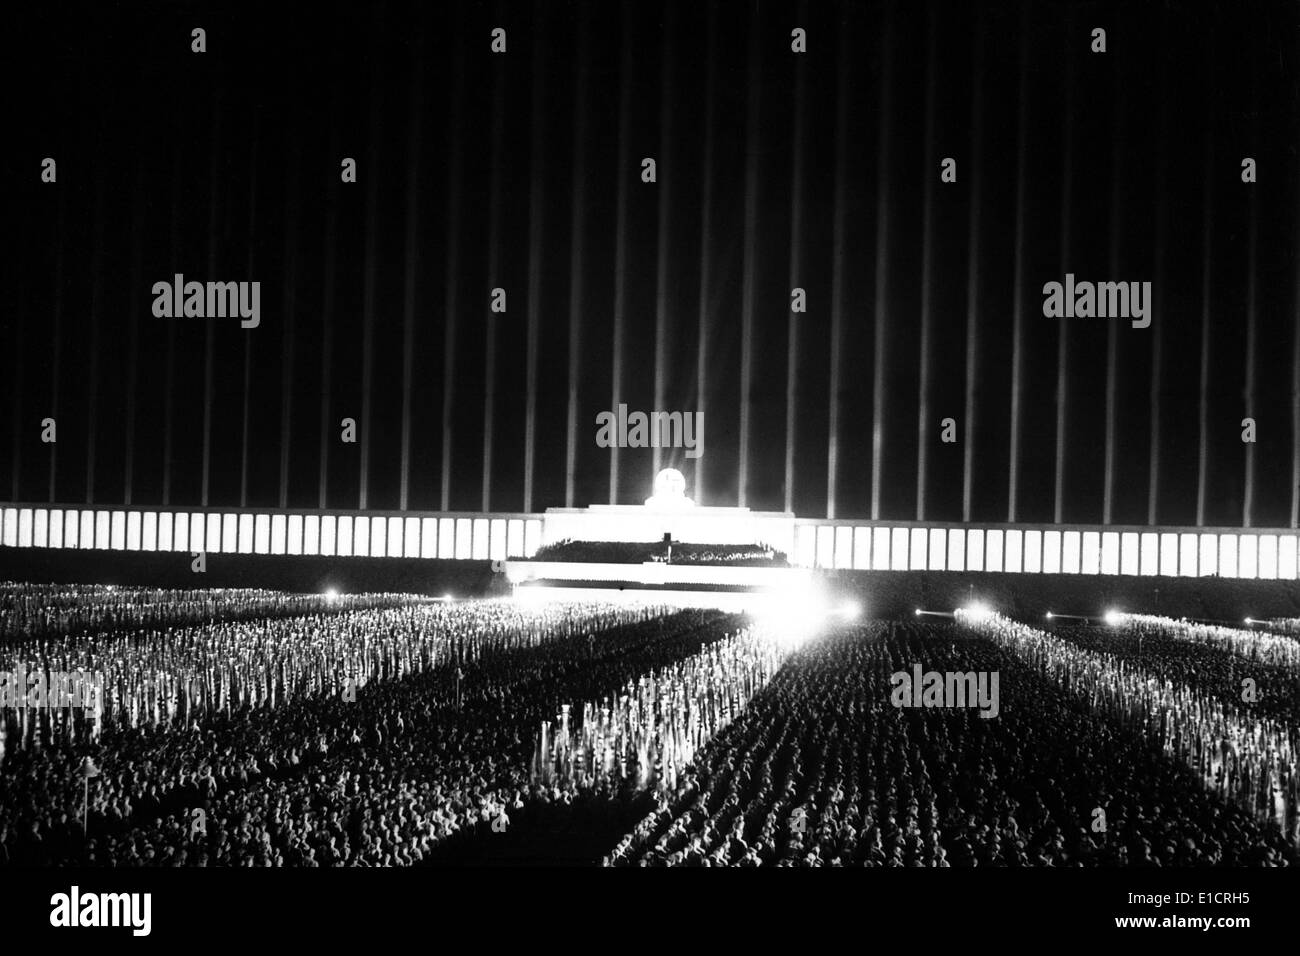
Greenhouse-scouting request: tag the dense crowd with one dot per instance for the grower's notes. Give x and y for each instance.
(1246, 757)
(822, 770)
(1253, 645)
(1285, 626)
(53, 610)
(651, 731)
(318, 780)
(151, 676)
(385, 736)
(1250, 686)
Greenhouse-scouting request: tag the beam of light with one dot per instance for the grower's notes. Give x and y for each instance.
(704, 316)
(1252, 337)
(883, 196)
(837, 279)
(1157, 316)
(495, 280)
(96, 311)
(370, 282)
(209, 350)
(1062, 331)
(248, 339)
(1112, 327)
(408, 285)
(327, 338)
(662, 245)
(169, 386)
(796, 269)
(535, 208)
(1295, 406)
(921, 612)
(972, 278)
(451, 295)
(291, 242)
(1018, 303)
(577, 226)
(923, 423)
(56, 359)
(620, 237)
(753, 102)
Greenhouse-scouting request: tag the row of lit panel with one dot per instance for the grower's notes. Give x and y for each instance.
(483, 539)
(1038, 551)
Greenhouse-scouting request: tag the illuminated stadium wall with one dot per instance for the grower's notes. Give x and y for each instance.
(443, 536)
(882, 546)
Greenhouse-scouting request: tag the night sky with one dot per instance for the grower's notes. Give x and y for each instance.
(775, 170)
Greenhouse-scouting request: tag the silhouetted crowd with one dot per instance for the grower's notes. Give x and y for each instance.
(52, 610)
(152, 676)
(651, 731)
(378, 778)
(821, 769)
(1209, 668)
(1256, 645)
(386, 736)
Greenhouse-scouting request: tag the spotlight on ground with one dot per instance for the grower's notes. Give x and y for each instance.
(1113, 618)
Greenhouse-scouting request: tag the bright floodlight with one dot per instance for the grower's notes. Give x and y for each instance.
(1250, 620)
(446, 597)
(331, 595)
(851, 610)
(1049, 615)
(1113, 618)
(670, 491)
(978, 611)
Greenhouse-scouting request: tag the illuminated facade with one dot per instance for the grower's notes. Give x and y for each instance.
(811, 543)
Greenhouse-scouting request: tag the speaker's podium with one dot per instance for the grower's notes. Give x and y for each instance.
(577, 543)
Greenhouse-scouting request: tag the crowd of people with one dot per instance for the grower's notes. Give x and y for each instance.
(60, 610)
(821, 769)
(386, 735)
(1243, 755)
(1288, 626)
(1254, 645)
(152, 676)
(1249, 685)
(651, 730)
(378, 779)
